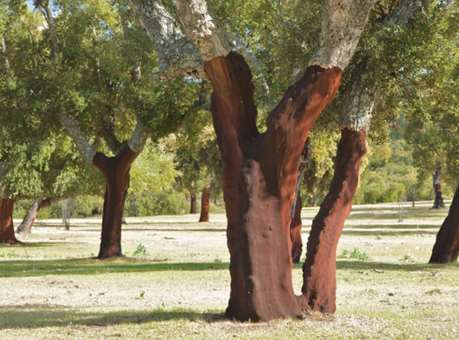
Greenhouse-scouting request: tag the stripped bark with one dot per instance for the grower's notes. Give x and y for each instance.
(6, 221)
(446, 248)
(319, 270)
(436, 183)
(205, 205)
(31, 215)
(261, 170)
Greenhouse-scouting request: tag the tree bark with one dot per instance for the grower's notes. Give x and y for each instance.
(259, 179)
(436, 181)
(446, 248)
(6, 221)
(31, 215)
(193, 203)
(116, 172)
(319, 270)
(205, 205)
(295, 230)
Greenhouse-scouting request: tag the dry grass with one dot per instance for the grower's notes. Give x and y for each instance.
(177, 286)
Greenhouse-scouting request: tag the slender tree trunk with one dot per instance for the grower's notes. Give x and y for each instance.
(116, 171)
(6, 221)
(259, 180)
(295, 229)
(436, 181)
(446, 246)
(193, 203)
(205, 205)
(66, 214)
(31, 215)
(319, 270)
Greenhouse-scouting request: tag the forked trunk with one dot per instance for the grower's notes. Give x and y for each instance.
(295, 229)
(6, 221)
(319, 270)
(446, 246)
(205, 203)
(436, 179)
(29, 219)
(193, 206)
(116, 171)
(259, 180)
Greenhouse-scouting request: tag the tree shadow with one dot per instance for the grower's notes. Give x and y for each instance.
(387, 266)
(86, 266)
(38, 316)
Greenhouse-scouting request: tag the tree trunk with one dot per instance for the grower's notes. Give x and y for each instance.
(295, 229)
(319, 270)
(446, 246)
(6, 221)
(259, 179)
(116, 171)
(436, 181)
(29, 219)
(193, 204)
(205, 203)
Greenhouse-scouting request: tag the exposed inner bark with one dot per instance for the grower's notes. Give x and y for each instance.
(319, 270)
(31, 215)
(193, 203)
(205, 204)
(446, 248)
(116, 171)
(259, 178)
(295, 230)
(6, 221)
(436, 181)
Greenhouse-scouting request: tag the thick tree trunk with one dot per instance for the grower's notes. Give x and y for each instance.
(193, 203)
(31, 215)
(436, 181)
(446, 246)
(295, 229)
(205, 205)
(259, 179)
(116, 171)
(319, 270)
(6, 221)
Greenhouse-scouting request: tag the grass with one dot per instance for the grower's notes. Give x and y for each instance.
(177, 284)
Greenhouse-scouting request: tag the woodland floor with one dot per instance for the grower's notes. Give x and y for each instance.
(174, 282)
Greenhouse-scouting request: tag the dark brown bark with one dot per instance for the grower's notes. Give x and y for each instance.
(446, 248)
(205, 205)
(193, 203)
(116, 171)
(295, 230)
(436, 181)
(319, 270)
(259, 179)
(6, 221)
(31, 215)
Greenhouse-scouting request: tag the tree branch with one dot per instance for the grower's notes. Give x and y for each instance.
(86, 149)
(176, 54)
(343, 22)
(139, 137)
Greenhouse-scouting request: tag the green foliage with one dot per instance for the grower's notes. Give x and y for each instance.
(140, 251)
(355, 254)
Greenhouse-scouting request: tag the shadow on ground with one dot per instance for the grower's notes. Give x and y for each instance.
(93, 267)
(38, 316)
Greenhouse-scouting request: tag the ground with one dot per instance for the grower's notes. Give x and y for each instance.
(174, 282)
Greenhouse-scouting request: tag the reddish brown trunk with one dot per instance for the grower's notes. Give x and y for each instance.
(6, 221)
(259, 179)
(319, 270)
(295, 230)
(205, 203)
(446, 246)
(116, 171)
(30, 217)
(436, 179)
(193, 204)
